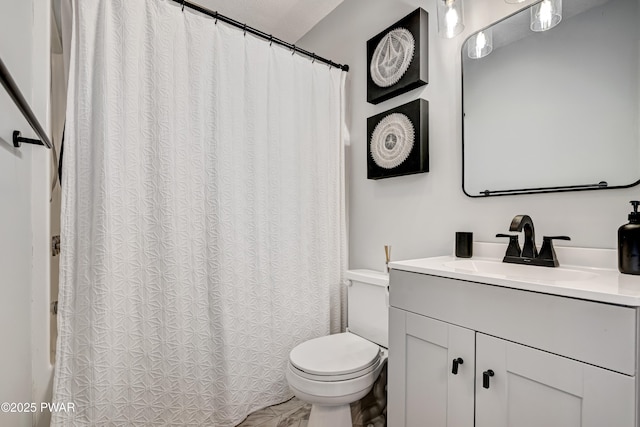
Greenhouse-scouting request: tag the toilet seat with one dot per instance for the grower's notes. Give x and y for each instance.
(335, 357)
(321, 390)
(338, 377)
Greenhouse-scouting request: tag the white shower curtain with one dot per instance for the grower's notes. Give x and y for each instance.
(203, 217)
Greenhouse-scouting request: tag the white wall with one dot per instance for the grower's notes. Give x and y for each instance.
(24, 265)
(15, 220)
(419, 214)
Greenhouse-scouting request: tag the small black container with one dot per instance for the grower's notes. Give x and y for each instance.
(629, 243)
(464, 244)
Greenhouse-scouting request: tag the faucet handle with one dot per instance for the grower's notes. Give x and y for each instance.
(547, 252)
(555, 238)
(513, 250)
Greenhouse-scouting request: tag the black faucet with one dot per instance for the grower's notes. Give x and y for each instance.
(524, 222)
(529, 254)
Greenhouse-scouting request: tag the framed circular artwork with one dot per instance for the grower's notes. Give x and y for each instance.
(398, 141)
(398, 58)
(392, 57)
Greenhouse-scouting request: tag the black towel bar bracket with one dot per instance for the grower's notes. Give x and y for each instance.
(16, 95)
(7, 81)
(19, 140)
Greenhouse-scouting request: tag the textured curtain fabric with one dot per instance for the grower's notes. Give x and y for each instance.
(203, 217)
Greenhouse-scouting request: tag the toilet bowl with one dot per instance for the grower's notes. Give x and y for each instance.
(333, 371)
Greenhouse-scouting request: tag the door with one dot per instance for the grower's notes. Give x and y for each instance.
(518, 386)
(431, 372)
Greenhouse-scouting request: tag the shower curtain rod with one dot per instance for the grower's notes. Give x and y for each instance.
(261, 34)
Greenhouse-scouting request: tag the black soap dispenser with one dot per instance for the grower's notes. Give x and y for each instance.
(629, 243)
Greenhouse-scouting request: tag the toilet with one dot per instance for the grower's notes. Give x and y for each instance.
(333, 371)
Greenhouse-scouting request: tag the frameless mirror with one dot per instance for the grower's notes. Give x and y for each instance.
(554, 110)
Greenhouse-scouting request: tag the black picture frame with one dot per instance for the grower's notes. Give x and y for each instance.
(417, 160)
(417, 74)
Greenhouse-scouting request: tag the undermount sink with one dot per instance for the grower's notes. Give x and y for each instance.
(518, 272)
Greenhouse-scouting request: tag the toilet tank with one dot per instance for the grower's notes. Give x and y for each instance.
(367, 302)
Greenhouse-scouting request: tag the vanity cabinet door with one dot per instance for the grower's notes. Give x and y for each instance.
(425, 389)
(533, 388)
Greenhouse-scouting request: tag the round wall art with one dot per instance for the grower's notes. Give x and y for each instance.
(392, 57)
(392, 141)
(398, 58)
(399, 141)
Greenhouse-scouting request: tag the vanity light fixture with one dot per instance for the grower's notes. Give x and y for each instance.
(480, 44)
(514, 1)
(450, 18)
(546, 15)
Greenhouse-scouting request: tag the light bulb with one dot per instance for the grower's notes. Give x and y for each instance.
(451, 18)
(481, 43)
(546, 14)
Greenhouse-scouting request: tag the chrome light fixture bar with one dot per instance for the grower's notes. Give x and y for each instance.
(450, 18)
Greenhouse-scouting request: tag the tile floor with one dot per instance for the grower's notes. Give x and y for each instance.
(370, 410)
(292, 413)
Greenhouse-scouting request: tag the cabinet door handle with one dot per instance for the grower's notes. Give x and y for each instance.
(485, 378)
(456, 362)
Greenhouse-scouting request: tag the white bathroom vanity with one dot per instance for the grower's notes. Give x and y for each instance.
(477, 342)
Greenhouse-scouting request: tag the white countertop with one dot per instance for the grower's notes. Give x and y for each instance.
(589, 274)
